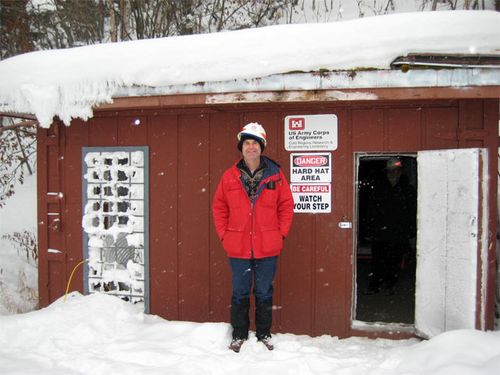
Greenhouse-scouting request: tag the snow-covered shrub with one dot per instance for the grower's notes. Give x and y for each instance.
(17, 156)
(25, 242)
(20, 299)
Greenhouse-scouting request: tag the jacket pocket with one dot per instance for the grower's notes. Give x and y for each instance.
(235, 201)
(269, 198)
(272, 241)
(267, 219)
(233, 191)
(233, 242)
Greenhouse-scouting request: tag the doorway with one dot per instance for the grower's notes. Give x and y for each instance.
(385, 264)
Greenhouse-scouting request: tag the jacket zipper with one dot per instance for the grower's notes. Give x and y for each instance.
(252, 233)
(251, 230)
(252, 215)
(252, 204)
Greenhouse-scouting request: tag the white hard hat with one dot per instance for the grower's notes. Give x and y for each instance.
(253, 130)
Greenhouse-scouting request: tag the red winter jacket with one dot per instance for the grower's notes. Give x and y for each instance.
(253, 232)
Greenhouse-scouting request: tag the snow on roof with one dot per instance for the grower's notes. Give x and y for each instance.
(69, 83)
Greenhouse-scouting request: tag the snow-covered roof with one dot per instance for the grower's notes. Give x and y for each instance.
(69, 83)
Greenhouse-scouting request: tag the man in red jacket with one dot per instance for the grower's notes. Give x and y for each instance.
(253, 210)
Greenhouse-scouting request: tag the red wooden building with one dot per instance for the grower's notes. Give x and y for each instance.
(177, 146)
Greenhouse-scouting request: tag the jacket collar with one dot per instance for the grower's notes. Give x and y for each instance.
(271, 167)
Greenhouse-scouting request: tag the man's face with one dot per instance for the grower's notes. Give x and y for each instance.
(393, 175)
(250, 150)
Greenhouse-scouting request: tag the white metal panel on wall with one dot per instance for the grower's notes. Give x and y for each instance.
(115, 222)
(450, 239)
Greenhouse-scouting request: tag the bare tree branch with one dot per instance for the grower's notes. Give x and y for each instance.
(22, 124)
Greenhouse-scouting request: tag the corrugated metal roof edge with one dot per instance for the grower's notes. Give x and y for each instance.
(441, 60)
(337, 80)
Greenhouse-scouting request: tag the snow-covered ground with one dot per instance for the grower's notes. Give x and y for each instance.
(100, 334)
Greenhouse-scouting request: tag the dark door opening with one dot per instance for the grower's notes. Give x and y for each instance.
(386, 230)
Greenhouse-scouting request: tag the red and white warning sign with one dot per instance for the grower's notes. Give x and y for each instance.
(312, 198)
(310, 167)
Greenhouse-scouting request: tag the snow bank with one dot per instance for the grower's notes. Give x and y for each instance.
(100, 334)
(68, 83)
(455, 352)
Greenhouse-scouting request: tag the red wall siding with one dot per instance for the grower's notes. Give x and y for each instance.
(194, 217)
(223, 153)
(163, 254)
(403, 129)
(367, 129)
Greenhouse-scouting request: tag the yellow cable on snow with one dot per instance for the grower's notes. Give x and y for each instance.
(71, 276)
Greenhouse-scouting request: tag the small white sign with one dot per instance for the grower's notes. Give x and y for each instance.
(345, 225)
(312, 198)
(311, 132)
(310, 167)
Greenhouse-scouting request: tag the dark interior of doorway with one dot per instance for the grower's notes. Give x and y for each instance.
(393, 305)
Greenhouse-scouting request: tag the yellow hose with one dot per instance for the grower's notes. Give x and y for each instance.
(71, 276)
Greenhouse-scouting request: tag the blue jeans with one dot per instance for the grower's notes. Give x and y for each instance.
(262, 272)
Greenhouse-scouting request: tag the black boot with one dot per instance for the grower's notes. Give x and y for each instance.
(263, 318)
(236, 344)
(239, 318)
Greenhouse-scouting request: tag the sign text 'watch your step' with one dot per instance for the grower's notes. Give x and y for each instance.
(312, 198)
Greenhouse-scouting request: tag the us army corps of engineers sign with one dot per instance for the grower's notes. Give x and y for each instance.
(311, 133)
